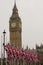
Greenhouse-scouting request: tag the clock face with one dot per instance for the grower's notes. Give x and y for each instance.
(13, 25)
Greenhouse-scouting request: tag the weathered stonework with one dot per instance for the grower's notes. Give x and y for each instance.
(15, 28)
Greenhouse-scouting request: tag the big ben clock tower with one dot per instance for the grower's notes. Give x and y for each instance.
(15, 28)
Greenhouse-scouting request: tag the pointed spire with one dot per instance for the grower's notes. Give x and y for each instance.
(14, 3)
(15, 7)
(15, 11)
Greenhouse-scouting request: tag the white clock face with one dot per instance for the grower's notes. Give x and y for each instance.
(13, 25)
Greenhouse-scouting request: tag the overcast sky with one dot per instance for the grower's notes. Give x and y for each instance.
(31, 14)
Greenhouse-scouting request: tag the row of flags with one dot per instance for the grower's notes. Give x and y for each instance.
(20, 54)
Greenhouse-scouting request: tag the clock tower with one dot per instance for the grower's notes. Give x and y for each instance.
(15, 28)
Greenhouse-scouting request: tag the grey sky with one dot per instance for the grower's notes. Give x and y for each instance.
(31, 14)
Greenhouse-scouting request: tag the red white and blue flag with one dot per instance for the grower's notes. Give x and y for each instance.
(16, 53)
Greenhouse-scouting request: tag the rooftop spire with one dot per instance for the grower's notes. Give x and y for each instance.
(15, 11)
(14, 3)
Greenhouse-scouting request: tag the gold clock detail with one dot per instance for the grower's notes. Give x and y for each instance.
(13, 25)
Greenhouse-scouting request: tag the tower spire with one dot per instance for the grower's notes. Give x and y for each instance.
(15, 27)
(14, 3)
